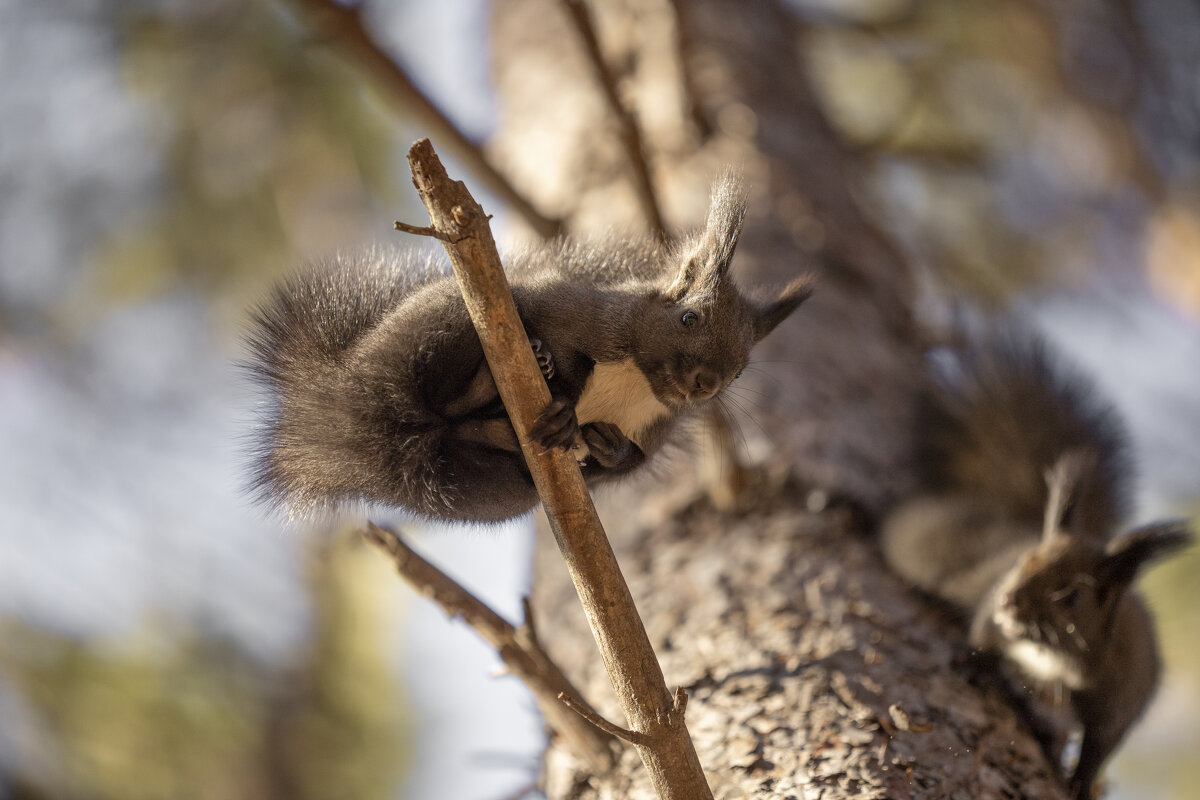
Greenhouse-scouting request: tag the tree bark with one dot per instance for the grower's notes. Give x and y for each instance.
(813, 672)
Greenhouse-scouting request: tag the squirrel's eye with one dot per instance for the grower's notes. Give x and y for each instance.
(739, 374)
(689, 318)
(1068, 597)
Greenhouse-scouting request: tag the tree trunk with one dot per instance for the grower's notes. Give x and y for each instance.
(812, 671)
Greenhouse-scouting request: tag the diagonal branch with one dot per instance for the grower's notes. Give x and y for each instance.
(520, 652)
(342, 26)
(668, 753)
(631, 136)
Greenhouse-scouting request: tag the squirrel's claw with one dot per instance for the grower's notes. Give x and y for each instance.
(611, 448)
(544, 359)
(556, 426)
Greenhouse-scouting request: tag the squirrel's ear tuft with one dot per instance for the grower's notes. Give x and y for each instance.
(726, 213)
(707, 256)
(1063, 481)
(1127, 554)
(770, 315)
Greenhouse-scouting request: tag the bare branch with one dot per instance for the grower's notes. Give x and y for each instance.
(342, 26)
(668, 753)
(588, 714)
(631, 136)
(524, 659)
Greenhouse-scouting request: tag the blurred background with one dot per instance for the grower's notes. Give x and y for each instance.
(162, 162)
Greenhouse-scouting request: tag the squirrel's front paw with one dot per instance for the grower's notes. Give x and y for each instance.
(544, 359)
(611, 448)
(556, 426)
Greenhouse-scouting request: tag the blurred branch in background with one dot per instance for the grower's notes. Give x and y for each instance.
(631, 136)
(683, 52)
(341, 25)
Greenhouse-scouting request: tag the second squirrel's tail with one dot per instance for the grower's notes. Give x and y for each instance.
(1000, 410)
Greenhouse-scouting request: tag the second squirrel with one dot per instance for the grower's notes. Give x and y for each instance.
(1026, 479)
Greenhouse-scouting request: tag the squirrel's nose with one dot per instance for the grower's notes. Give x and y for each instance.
(705, 381)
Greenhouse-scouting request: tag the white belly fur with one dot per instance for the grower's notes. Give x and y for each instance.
(1044, 663)
(619, 393)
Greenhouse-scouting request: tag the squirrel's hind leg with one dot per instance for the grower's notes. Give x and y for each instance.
(481, 390)
(553, 429)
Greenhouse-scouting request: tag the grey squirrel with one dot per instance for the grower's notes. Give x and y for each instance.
(1026, 477)
(379, 391)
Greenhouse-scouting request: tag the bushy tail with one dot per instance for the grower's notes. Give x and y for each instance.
(308, 451)
(1000, 411)
(312, 318)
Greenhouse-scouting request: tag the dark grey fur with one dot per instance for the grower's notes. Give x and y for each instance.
(1027, 478)
(378, 391)
(1001, 409)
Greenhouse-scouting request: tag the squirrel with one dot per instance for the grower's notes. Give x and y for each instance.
(1025, 479)
(379, 391)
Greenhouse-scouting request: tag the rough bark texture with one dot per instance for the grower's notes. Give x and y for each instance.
(813, 672)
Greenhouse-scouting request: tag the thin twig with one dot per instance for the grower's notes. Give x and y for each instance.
(681, 701)
(523, 659)
(588, 714)
(631, 135)
(418, 230)
(668, 753)
(342, 26)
